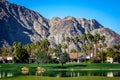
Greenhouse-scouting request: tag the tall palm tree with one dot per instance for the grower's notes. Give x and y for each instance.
(84, 38)
(84, 50)
(76, 39)
(90, 38)
(96, 40)
(68, 41)
(103, 41)
(89, 47)
(102, 38)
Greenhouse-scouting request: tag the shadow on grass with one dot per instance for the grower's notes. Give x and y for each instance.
(69, 66)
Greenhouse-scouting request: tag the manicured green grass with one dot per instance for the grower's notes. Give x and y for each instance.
(16, 66)
(55, 78)
(58, 66)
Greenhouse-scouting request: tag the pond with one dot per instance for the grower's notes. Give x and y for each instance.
(62, 73)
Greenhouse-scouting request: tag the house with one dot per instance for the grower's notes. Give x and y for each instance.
(75, 56)
(53, 56)
(109, 60)
(6, 59)
(112, 60)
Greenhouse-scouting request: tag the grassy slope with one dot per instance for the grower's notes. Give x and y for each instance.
(53, 78)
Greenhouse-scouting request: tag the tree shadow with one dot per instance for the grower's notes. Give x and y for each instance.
(69, 66)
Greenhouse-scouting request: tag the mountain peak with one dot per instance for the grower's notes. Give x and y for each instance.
(69, 18)
(82, 19)
(20, 24)
(56, 18)
(2, 0)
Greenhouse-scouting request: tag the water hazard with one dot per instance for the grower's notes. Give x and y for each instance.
(63, 73)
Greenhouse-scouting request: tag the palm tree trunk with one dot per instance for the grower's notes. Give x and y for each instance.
(96, 51)
(77, 55)
(77, 58)
(68, 48)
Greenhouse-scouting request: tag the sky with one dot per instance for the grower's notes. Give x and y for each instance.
(106, 12)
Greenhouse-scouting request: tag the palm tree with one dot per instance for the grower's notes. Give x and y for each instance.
(68, 41)
(96, 40)
(103, 41)
(41, 52)
(100, 47)
(84, 38)
(116, 47)
(90, 47)
(59, 46)
(16, 46)
(103, 44)
(76, 39)
(28, 48)
(84, 50)
(89, 37)
(64, 46)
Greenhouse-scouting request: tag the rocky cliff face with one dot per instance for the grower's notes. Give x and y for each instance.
(70, 26)
(18, 23)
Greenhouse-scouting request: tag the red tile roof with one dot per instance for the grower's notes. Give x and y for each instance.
(75, 55)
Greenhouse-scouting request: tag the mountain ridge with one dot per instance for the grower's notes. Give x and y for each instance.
(20, 24)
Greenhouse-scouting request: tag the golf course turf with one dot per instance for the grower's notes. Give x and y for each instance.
(81, 66)
(66, 66)
(55, 78)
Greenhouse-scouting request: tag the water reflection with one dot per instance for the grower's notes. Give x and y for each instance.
(6, 74)
(113, 74)
(54, 73)
(25, 70)
(40, 71)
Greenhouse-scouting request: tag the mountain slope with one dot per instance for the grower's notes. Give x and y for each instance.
(112, 38)
(20, 24)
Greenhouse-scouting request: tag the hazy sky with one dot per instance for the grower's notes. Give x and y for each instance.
(107, 12)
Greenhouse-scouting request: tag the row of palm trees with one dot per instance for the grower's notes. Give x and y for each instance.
(93, 43)
(90, 44)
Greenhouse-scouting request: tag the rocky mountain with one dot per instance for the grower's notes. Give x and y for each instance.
(70, 26)
(20, 24)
